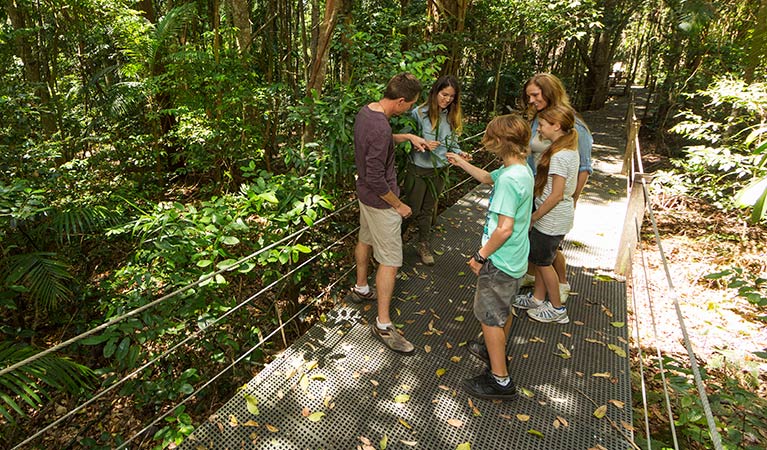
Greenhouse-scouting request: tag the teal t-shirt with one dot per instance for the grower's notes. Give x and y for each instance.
(512, 196)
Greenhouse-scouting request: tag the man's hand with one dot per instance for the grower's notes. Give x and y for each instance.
(404, 210)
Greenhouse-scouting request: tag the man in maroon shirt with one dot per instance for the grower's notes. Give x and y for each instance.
(381, 210)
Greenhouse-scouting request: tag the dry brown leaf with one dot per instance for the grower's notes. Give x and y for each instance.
(578, 322)
(409, 443)
(523, 417)
(305, 412)
(628, 426)
(250, 423)
(602, 374)
(618, 404)
(455, 422)
(455, 359)
(448, 345)
(427, 348)
(233, 420)
(364, 440)
(567, 334)
(563, 421)
(556, 424)
(271, 428)
(374, 382)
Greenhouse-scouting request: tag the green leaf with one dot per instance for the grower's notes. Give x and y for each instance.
(252, 402)
(464, 446)
(230, 240)
(204, 263)
(316, 416)
(401, 398)
(618, 324)
(535, 432)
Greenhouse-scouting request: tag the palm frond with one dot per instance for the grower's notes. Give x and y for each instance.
(168, 27)
(45, 277)
(75, 221)
(32, 383)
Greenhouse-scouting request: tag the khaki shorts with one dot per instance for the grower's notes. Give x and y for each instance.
(380, 228)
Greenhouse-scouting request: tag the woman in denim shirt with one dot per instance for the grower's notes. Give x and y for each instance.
(439, 121)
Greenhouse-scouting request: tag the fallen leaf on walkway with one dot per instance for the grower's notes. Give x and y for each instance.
(618, 404)
(409, 443)
(252, 403)
(567, 334)
(455, 359)
(600, 412)
(374, 382)
(563, 421)
(421, 312)
(233, 420)
(628, 426)
(523, 417)
(318, 377)
(455, 422)
(304, 383)
(458, 318)
(364, 440)
(448, 345)
(305, 412)
(310, 365)
(565, 352)
(427, 348)
(578, 322)
(439, 372)
(405, 387)
(464, 446)
(602, 374)
(526, 392)
(618, 324)
(535, 339)
(460, 274)
(594, 341)
(271, 428)
(405, 424)
(598, 447)
(401, 398)
(474, 409)
(250, 423)
(618, 351)
(316, 416)
(535, 432)
(607, 311)
(443, 387)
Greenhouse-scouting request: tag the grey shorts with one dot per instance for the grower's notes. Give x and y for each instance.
(495, 294)
(543, 248)
(381, 229)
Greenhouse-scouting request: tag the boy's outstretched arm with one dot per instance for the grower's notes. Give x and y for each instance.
(480, 175)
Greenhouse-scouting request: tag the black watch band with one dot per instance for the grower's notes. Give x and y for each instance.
(479, 258)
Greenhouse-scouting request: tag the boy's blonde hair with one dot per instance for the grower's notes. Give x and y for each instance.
(508, 135)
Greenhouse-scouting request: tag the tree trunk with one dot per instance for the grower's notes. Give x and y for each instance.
(240, 12)
(447, 18)
(757, 52)
(36, 68)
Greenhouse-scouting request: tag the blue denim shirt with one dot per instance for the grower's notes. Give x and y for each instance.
(448, 140)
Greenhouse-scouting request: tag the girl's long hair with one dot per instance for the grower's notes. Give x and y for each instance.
(564, 116)
(508, 135)
(454, 112)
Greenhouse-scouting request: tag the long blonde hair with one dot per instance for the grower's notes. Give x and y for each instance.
(508, 135)
(564, 116)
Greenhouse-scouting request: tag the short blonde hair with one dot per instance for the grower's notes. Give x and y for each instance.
(508, 135)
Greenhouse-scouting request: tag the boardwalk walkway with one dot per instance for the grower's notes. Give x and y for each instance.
(338, 388)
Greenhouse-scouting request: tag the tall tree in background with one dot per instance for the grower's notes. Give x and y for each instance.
(447, 20)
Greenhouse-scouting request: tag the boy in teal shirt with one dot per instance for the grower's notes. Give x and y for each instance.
(501, 261)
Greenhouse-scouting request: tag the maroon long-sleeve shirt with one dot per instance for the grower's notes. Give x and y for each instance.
(374, 156)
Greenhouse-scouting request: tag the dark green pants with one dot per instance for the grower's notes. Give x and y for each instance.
(422, 188)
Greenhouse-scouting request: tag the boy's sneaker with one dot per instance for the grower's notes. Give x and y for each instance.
(527, 281)
(392, 339)
(485, 386)
(479, 350)
(564, 292)
(356, 297)
(526, 301)
(548, 313)
(424, 251)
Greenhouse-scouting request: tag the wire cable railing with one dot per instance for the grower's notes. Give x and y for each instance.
(233, 266)
(637, 180)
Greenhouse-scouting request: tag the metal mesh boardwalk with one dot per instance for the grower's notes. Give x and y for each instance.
(338, 388)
